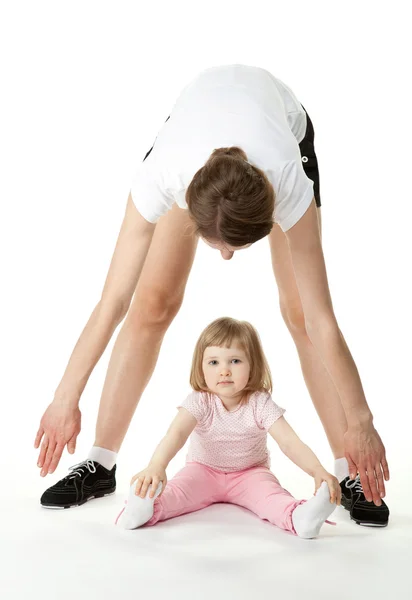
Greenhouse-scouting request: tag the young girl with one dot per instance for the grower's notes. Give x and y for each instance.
(230, 412)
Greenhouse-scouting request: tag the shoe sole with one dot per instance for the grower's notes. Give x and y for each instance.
(346, 506)
(369, 524)
(57, 507)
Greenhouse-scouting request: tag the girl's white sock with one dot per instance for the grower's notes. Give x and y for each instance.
(309, 517)
(105, 457)
(137, 511)
(341, 469)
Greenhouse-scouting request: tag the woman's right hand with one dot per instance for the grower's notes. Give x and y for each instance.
(153, 474)
(60, 425)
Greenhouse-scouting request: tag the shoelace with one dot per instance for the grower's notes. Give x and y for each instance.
(355, 484)
(78, 469)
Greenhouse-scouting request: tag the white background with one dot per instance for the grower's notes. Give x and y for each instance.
(85, 88)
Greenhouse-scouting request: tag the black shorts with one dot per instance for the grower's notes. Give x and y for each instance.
(307, 152)
(309, 160)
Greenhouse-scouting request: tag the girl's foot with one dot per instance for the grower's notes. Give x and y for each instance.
(309, 517)
(137, 511)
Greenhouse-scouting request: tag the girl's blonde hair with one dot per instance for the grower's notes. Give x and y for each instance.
(223, 332)
(230, 200)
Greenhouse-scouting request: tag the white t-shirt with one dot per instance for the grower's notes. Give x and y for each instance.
(230, 105)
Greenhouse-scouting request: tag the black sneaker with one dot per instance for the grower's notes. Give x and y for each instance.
(87, 480)
(361, 511)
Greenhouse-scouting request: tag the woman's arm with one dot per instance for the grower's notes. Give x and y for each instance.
(60, 424)
(364, 448)
(126, 265)
(309, 266)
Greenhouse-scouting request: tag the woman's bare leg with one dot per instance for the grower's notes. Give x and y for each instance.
(158, 297)
(320, 386)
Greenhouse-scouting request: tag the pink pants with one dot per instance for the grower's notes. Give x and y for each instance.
(197, 486)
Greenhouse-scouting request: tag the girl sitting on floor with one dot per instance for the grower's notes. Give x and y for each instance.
(227, 417)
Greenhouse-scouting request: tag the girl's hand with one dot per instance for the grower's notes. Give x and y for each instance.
(335, 492)
(153, 474)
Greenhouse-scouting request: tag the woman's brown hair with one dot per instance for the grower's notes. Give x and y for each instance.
(223, 332)
(231, 200)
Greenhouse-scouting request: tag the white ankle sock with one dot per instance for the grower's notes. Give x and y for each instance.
(341, 469)
(107, 458)
(309, 517)
(137, 511)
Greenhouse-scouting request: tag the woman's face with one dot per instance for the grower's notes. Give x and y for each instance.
(225, 250)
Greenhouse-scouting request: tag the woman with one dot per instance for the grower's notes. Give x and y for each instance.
(237, 155)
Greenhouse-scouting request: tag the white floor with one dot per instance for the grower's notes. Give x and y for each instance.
(220, 552)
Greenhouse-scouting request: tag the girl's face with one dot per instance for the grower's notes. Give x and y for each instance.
(226, 370)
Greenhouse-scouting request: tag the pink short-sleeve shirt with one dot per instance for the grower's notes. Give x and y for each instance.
(231, 440)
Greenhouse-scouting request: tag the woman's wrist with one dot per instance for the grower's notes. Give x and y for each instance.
(67, 397)
(359, 419)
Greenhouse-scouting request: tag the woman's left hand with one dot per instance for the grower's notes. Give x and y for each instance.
(366, 455)
(335, 492)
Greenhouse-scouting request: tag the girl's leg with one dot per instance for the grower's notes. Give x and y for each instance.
(259, 491)
(320, 386)
(196, 486)
(158, 297)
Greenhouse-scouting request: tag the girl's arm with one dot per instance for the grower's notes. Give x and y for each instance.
(293, 447)
(175, 438)
(299, 453)
(363, 446)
